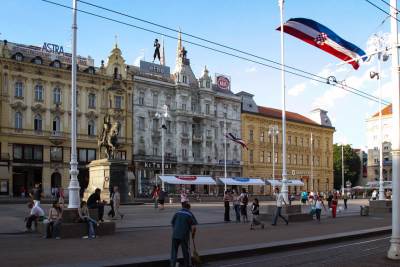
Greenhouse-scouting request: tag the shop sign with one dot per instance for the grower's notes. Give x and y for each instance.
(187, 177)
(223, 82)
(157, 165)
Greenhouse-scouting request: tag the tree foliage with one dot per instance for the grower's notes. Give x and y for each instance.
(352, 165)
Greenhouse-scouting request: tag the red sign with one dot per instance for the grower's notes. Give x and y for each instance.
(187, 178)
(223, 82)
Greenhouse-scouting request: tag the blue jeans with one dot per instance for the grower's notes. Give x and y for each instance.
(237, 212)
(184, 243)
(278, 213)
(91, 226)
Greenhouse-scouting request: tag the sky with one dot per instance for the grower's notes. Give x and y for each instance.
(245, 25)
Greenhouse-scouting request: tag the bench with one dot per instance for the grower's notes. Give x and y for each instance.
(70, 228)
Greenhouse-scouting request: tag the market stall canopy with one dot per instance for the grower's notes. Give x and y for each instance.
(290, 182)
(242, 181)
(187, 179)
(375, 185)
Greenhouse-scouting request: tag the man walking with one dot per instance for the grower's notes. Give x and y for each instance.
(183, 223)
(280, 199)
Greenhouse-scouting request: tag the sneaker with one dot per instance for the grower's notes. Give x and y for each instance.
(92, 237)
(85, 237)
(58, 238)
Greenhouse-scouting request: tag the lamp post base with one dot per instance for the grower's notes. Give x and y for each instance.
(73, 195)
(394, 250)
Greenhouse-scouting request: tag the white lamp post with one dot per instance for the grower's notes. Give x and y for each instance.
(342, 171)
(394, 250)
(312, 163)
(162, 115)
(273, 131)
(284, 173)
(73, 188)
(225, 173)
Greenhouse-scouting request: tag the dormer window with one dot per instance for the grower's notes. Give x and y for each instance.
(38, 60)
(184, 79)
(208, 84)
(19, 57)
(56, 64)
(91, 70)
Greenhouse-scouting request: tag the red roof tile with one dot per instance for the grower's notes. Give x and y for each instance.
(290, 116)
(385, 111)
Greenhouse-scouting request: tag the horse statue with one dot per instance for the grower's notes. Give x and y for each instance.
(109, 137)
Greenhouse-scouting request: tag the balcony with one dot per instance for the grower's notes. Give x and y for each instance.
(185, 135)
(4, 157)
(57, 137)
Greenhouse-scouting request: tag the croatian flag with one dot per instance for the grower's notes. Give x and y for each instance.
(231, 137)
(322, 37)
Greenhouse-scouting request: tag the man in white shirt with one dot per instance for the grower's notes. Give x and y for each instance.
(280, 200)
(35, 215)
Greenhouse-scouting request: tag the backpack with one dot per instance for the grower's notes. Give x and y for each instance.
(245, 199)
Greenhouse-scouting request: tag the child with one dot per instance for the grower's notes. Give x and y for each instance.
(255, 210)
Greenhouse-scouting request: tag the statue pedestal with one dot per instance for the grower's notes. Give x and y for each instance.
(105, 174)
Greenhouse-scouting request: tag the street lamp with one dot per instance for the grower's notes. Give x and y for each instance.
(162, 115)
(273, 131)
(376, 43)
(342, 171)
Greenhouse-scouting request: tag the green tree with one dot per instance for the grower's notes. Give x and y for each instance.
(352, 165)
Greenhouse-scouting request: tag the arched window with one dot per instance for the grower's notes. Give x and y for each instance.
(55, 180)
(56, 124)
(37, 60)
(39, 93)
(37, 124)
(92, 100)
(56, 95)
(91, 128)
(19, 89)
(18, 120)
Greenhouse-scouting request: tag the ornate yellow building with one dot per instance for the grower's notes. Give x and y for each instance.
(35, 119)
(305, 162)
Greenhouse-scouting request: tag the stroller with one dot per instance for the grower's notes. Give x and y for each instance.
(255, 211)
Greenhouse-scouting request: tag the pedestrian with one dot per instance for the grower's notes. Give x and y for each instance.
(236, 205)
(374, 194)
(36, 214)
(319, 203)
(84, 216)
(111, 213)
(330, 198)
(255, 211)
(304, 197)
(184, 196)
(345, 198)
(36, 194)
(54, 221)
(161, 198)
(227, 199)
(117, 202)
(334, 205)
(155, 195)
(94, 202)
(280, 200)
(183, 223)
(244, 200)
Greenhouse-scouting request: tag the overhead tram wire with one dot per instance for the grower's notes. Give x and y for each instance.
(387, 13)
(385, 3)
(215, 43)
(323, 79)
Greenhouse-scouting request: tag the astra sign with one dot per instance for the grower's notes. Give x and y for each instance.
(53, 48)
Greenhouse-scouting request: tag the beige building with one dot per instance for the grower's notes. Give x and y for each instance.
(35, 119)
(306, 160)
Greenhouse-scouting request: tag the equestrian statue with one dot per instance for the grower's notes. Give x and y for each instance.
(109, 137)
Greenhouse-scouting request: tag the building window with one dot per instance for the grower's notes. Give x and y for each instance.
(18, 120)
(155, 125)
(269, 157)
(289, 140)
(289, 158)
(141, 123)
(56, 95)
(184, 127)
(120, 155)
(37, 124)
(184, 79)
(56, 124)
(39, 93)
(56, 153)
(155, 100)
(155, 150)
(141, 98)
(295, 159)
(207, 109)
(251, 136)
(56, 64)
(296, 141)
(184, 153)
(276, 157)
(118, 101)
(19, 90)
(262, 156)
(19, 57)
(302, 159)
(302, 141)
(92, 101)
(86, 155)
(168, 125)
(27, 152)
(251, 156)
(91, 128)
(183, 106)
(262, 137)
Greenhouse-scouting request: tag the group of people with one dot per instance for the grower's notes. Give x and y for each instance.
(159, 195)
(54, 219)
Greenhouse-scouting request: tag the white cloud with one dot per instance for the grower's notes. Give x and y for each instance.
(297, 89)
(340, 138)
(251, 69)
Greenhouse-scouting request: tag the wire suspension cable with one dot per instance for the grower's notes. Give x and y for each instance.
(320, 78)
(387, 13)
(385, 3)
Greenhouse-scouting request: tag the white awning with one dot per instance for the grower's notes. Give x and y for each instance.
(242, 181)
(290, 182)
(187, 179)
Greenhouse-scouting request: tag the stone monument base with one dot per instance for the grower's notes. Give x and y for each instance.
(293, 213)
(377, 207)
(105, 174)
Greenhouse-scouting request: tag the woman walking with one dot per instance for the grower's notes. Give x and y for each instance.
(227, 199)
(319, 203)
(244, 200)
(236, 205)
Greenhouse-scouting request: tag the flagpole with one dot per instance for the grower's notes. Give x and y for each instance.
(284, 173)
(225, 153)
(312, 164)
